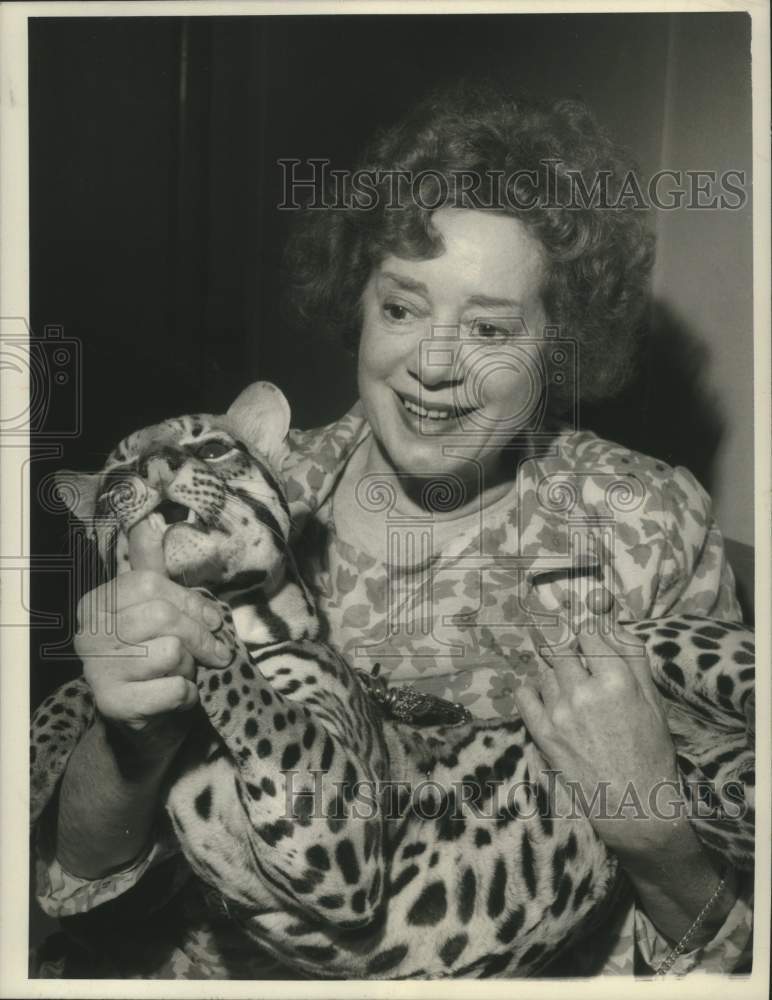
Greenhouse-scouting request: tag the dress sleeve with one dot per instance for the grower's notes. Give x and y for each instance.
(57, 727)
(694, 574)
(730, 949)
(61, 894)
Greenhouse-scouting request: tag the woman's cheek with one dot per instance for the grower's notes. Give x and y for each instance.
(509, 391)
(383, 352)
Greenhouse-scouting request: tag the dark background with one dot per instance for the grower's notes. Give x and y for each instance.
(156, 241)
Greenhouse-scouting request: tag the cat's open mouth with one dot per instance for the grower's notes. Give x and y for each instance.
(177, 513)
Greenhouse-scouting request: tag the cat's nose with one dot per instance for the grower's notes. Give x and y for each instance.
(159, 468)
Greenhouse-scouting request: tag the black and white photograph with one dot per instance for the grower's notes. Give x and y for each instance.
(385, 498)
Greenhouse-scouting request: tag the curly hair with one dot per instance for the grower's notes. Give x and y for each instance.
(528, 160)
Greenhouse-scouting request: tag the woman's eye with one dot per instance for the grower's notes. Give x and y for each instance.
(487, 328)
(213, 449)
(396, 311)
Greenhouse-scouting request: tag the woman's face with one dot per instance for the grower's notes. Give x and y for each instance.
(446, 367)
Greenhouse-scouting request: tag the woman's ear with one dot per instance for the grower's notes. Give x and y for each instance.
(260, 416)
(78, 492)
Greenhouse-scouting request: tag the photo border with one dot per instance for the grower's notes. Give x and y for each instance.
(14, 653)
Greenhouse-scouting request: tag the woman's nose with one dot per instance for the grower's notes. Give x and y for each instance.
(436, 360)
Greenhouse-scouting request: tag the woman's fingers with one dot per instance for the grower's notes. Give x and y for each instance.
(608, 649)
(141, 636)
(161, 657)
(166, 655)
(633, 649)
(140, 586)
(567, 667)
(532, 711)
(549, 688)
(602, 657)
(148, 698)
(609, 659)
(146, 544)
(136, 626)
(143, 622)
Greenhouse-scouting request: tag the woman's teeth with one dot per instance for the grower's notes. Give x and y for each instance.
(421, 411)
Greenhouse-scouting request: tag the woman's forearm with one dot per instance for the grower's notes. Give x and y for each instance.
(109, 797)
(674, 884)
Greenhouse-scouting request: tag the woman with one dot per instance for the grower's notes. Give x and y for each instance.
(440, 519)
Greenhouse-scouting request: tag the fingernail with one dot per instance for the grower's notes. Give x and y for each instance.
(212, 616)
(223, 653)
(157, 523)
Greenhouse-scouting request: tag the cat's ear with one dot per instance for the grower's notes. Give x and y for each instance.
(78, 492)
(260, 416)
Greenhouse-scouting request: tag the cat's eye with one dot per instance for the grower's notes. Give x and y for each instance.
(213, 449)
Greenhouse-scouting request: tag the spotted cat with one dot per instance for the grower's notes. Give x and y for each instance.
(344, 842)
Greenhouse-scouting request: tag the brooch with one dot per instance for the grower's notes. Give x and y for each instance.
(408, 705)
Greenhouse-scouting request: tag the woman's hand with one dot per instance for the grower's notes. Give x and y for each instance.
(597, 718)
(139, 637)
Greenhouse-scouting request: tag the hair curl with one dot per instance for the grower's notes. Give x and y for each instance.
(599, 255)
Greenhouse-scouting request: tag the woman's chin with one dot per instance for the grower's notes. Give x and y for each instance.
(419, 461)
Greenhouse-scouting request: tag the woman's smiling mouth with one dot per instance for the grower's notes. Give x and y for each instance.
(433, 412)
